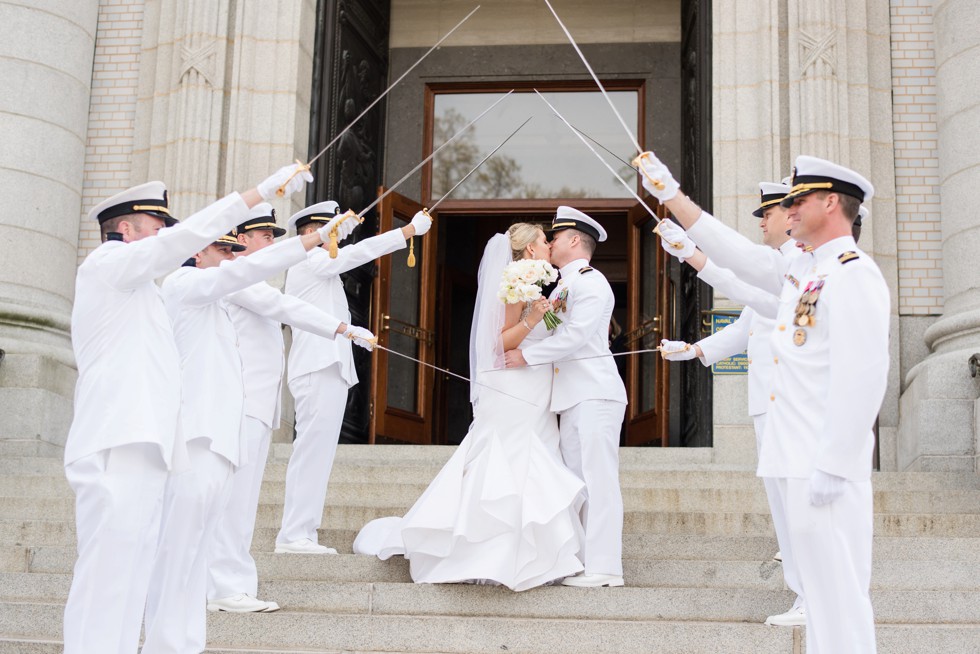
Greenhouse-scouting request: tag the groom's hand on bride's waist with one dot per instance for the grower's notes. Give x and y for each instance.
(514, 359)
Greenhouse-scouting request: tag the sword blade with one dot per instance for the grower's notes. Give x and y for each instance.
(434, 153)
(600, 158)
(482, 161)
(453, 374)
(595, 356)
(594, 77)
(393, 85)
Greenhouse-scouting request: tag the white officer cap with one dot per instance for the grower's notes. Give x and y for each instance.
(230, 240)
(569, 218)
(770, 194)
(149, 198)
(811, 174)
(863, 213)
(320, 212)
(262, 216)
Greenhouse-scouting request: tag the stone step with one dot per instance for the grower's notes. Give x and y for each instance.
(651, 499)
(554, 602)
(389, 471)
(745, 523)
(37, 534)
(641, 572)
(57, 647)
(288, 631)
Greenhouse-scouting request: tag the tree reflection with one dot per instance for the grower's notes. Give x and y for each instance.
(500, 177)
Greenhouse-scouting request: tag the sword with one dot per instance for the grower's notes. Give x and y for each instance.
(374, 343)
(304, 167)
(482, 161)
(357, 216)
(605, 163)
(656, 182)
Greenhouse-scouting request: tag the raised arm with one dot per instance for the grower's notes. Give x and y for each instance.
(763, 302)
(272, 304)
(357, 254)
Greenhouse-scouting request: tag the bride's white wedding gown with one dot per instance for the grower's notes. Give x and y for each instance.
(504, 508)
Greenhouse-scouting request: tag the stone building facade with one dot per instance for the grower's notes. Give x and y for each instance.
(210, 96)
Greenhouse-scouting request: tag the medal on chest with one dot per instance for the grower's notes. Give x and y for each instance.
(560, 303)
(806, 310)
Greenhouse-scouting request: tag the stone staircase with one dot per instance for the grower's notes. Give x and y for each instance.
(699, 575)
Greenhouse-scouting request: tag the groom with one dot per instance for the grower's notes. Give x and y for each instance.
(588, 393)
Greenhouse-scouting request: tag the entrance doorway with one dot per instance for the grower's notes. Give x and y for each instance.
(426, 312)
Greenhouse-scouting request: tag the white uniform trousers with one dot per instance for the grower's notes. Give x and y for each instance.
(231, 568)
(321, 398)
(777, 508)
(590, 449)
(176, 608)
(832, 546)
(118, 506)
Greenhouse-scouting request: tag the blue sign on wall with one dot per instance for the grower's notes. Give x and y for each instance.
(735, 365)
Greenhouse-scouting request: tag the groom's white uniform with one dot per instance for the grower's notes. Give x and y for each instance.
(590, 398)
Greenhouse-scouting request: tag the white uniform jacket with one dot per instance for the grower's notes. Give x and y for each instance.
(317, 281)
(128, 388)
(584, 332)
(823, 401)
(258, 313)
(212, 388)
(750, 333)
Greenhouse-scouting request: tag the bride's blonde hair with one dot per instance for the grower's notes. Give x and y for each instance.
(522, 235)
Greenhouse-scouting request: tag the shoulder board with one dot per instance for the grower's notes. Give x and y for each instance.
(582, 271)
(848, 256)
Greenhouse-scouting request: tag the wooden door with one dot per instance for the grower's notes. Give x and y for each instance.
(403, 318)
(649, 290)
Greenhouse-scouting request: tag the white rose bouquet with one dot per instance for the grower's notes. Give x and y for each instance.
(522, 282)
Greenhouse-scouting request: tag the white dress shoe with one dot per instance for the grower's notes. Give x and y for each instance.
(795, 617)
(243, 603)
(594, 580)
(303, 546)
(778, 556)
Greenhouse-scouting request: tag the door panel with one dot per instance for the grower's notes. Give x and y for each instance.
(403, 322)
(648, 322)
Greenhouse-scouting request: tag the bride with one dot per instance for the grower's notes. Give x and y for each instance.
(504, 509)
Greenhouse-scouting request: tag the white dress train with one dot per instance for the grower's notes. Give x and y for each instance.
(504, 509)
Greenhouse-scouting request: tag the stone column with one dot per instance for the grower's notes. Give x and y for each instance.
(46, 56)
(938, 422)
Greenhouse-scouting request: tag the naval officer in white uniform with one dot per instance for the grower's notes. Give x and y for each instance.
(321, 371)
(749, 333)
(588, 395)
(212, 402)
(830, 347)
(123, 436)
(258, 313)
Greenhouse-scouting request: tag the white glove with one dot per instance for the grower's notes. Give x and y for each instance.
(344, 227)
(676, 350)
(360, 336)
(267, 188)
(421, 222)
(652, 170)
(825, 488)
(671, 236)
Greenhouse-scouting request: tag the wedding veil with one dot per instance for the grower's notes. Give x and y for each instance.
(486, 342)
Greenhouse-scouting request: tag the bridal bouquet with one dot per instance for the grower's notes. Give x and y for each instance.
(522, 282)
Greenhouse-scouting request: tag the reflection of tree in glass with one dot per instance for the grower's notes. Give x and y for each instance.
(499, 177)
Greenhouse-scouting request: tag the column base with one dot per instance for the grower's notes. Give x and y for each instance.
(36, 395)
(938, 427)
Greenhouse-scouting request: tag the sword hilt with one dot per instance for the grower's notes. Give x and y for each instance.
(301, 168)
(673, 244)
(335, 237)
(659, 185)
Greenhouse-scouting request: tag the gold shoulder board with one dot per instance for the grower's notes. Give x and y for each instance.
(848, 256)
(582, 271)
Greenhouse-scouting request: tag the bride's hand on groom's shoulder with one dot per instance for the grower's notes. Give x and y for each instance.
(514, 359)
